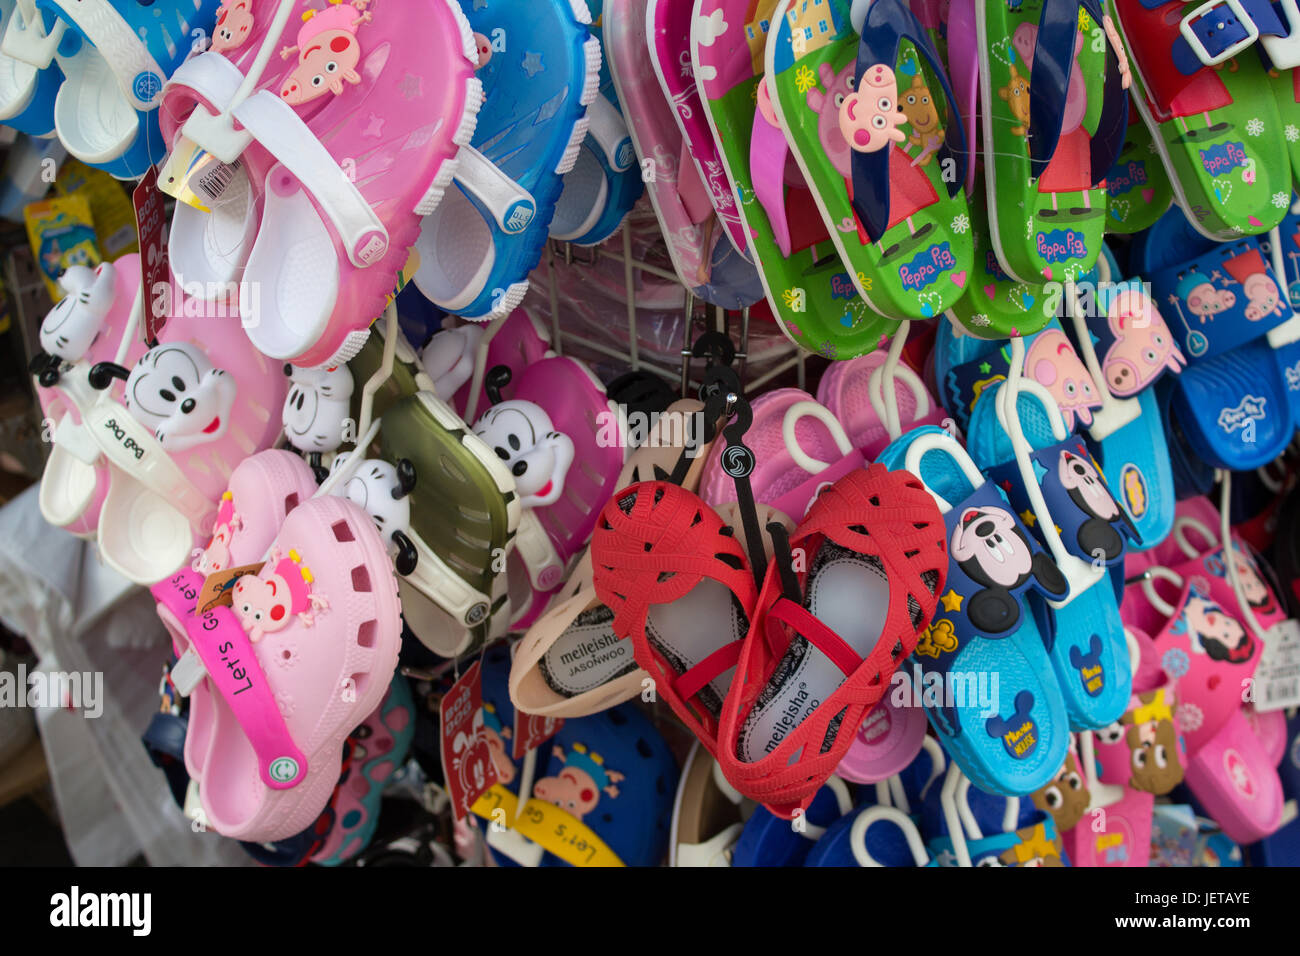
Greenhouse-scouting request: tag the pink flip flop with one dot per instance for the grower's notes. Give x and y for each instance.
(669, 26)
(1209, 653)
(304, 655)
(85, 328)
(854, 392)
(195, 405)
(800, 448)
(365, 137)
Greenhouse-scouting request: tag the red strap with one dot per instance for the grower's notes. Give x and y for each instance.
(799, 619)
(708, 670)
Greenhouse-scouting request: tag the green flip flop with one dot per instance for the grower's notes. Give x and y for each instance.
(873, 124)
(1138, 191)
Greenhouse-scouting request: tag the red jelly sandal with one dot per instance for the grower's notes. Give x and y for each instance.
(680, 587)
(828, 632)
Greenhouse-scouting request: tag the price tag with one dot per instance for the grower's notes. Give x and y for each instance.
(218, 589)
(154, 266)
(1277, 678)
(195, 177)
(467, 763)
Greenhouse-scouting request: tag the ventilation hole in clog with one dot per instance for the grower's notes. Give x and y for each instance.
(731, 561)
(592, 473)
(875, 501)
(648, 546)
(290, 502)
(897, 652)
(643, 749)
(659, 494)
(473, 514)
(911, 554)
(666, 576)
(617, 717)
(451, 469)
(361, 682)
(860, 529)
(342, 531)
(607, 817)
(626, 502)
(696, 519)
(368, 633)
(361, 579)
(729, 532)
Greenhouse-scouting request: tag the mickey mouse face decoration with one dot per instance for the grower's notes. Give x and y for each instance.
(523, 436)
(72, 326)
(994, 553)
(316, 409)
(383, 491)
(177, 392)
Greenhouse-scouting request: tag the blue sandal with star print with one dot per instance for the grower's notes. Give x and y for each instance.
(986, 680)
(540, 70)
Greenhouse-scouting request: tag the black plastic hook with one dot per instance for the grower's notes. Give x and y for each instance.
(102, 375)
(407, 556)
(497, 378)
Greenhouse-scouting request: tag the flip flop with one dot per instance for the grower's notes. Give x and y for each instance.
(1212, 114)
(1138, 190)
(571, 663)
(892, 202)
(606, 180)
(986, 625)
(769, 841)
(1054, 116)
(477, 248)
(808, 286)
(1231, 399)
(28, 89)
(269, 769)
(1208, 652)
(1051, 477)
(84, 329)
(115, 58)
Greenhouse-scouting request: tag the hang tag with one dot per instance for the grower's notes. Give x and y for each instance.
(219, 588)
(467, 763)
(1277, 677)
(150, 219)
(195, 177)
(531, 731)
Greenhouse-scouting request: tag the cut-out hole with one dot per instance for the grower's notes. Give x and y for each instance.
(368, 633)
(342, 531)
(290, 502)
(361, 579)
(875, 501)
(643, 748)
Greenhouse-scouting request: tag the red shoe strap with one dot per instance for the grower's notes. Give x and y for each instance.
(799, 619)
(712, 667)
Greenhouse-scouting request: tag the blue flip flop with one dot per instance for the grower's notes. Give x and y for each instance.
(1220, 301)
(115, 56)
(29, 73)
(605, 182)
(769, 840)
(1127, 348)
(1284, 339)
(871, 836)
(1053, 483)
(985, 629)
(540, 70)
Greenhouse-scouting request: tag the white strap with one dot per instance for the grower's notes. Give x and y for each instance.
(537, 552)
(823, 414)
(858, 834)
(608, 130)
(275, 124)
(138, 73)
(512, 206)
(25, 38)
(440, 584)
(211, 76)
(132, 449)
(715, 851)
(947, 445)
(1284, 52)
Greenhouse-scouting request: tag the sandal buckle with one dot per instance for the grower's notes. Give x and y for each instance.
(1232, 30)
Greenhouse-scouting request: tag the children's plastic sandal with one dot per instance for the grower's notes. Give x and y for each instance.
(708, 814)
(29, 76)
(313, 638)
(855, 391)
(986, 625)
(882, 149)
(1138, 190)
(769, 841)
(873, 836)
(476, 250)
(826, 638)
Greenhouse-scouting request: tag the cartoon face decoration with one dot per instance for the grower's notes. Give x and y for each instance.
(383, 491)
(317, 407)
(448, 359)
(496, 736)
(1052, 362)
(267, 602)
(577, 788)
(993, 552)
(1065, 797)
(1204, 299)
(1143, 345)
(1152, 741)
(1016, 95)
(328, 53)
(483, 50)
(1088, 491)
(178, 393)
(234, 23)
(216, 556)
(523, 436)
(1215, 633)
(827, 105)
(72, 326)
(870, 116)
(1262, 295)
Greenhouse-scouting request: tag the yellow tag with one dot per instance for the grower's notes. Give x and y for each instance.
(194, 176)
(549, 827)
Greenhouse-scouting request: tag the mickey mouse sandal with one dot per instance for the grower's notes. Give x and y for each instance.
(828, 633)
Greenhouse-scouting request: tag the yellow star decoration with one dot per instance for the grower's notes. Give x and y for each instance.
(951, 601)
(1028, 516)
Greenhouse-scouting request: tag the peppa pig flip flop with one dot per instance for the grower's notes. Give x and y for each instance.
(29, 77)
(1054, 110)
(1138, 190)
(808, 286)
(115, 58)
(476, 249)
(379, 748)
(986, 624)
(1206, 98)
(881, 145)
(85, 328)
(305, 652)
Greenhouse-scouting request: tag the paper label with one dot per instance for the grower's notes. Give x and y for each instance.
(466, 760)
(1277, 678)
(155, 269)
